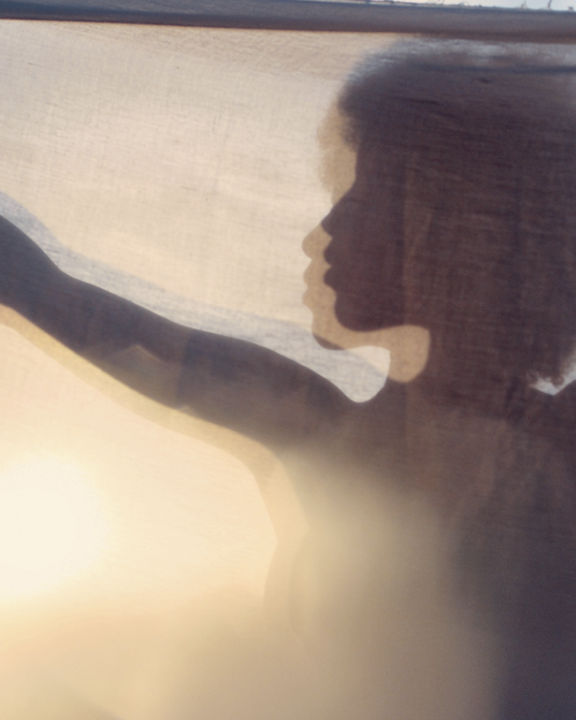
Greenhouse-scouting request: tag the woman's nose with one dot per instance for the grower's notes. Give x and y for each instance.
(328, 223)
(315, 242)
(344, 212)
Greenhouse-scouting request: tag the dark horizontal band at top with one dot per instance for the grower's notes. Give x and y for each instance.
(526, 25)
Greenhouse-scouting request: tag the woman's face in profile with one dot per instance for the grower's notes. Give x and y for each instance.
(365, 253)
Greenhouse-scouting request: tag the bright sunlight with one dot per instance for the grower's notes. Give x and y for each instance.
(52, 526)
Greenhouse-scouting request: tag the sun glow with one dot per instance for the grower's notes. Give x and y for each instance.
(52, 526)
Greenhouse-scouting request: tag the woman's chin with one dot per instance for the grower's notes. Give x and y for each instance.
(357, 318)
(338, 324)
(331, 334)
(367, 314)
(326, 344)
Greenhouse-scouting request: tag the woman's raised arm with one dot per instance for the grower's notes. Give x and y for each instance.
(231, 382)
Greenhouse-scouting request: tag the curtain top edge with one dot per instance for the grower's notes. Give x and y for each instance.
(454, 21)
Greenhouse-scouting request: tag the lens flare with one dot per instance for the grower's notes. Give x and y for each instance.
(52, 526)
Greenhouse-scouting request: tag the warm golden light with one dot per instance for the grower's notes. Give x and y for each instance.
(52, 526)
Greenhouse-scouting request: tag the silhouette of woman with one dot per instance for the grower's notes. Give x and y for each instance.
(460, 221)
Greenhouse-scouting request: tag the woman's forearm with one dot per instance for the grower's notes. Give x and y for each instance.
(140, 348)
(229, 382)
(134, 345)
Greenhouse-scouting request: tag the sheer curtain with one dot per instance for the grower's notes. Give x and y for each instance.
(345, 506)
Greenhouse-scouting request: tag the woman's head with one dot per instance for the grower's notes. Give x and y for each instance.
(462, 217)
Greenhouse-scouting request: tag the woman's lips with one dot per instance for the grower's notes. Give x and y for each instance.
(331, 278)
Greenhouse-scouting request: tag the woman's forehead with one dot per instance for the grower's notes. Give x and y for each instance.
(379, 159)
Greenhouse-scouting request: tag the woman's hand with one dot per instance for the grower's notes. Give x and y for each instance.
(24, 267)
